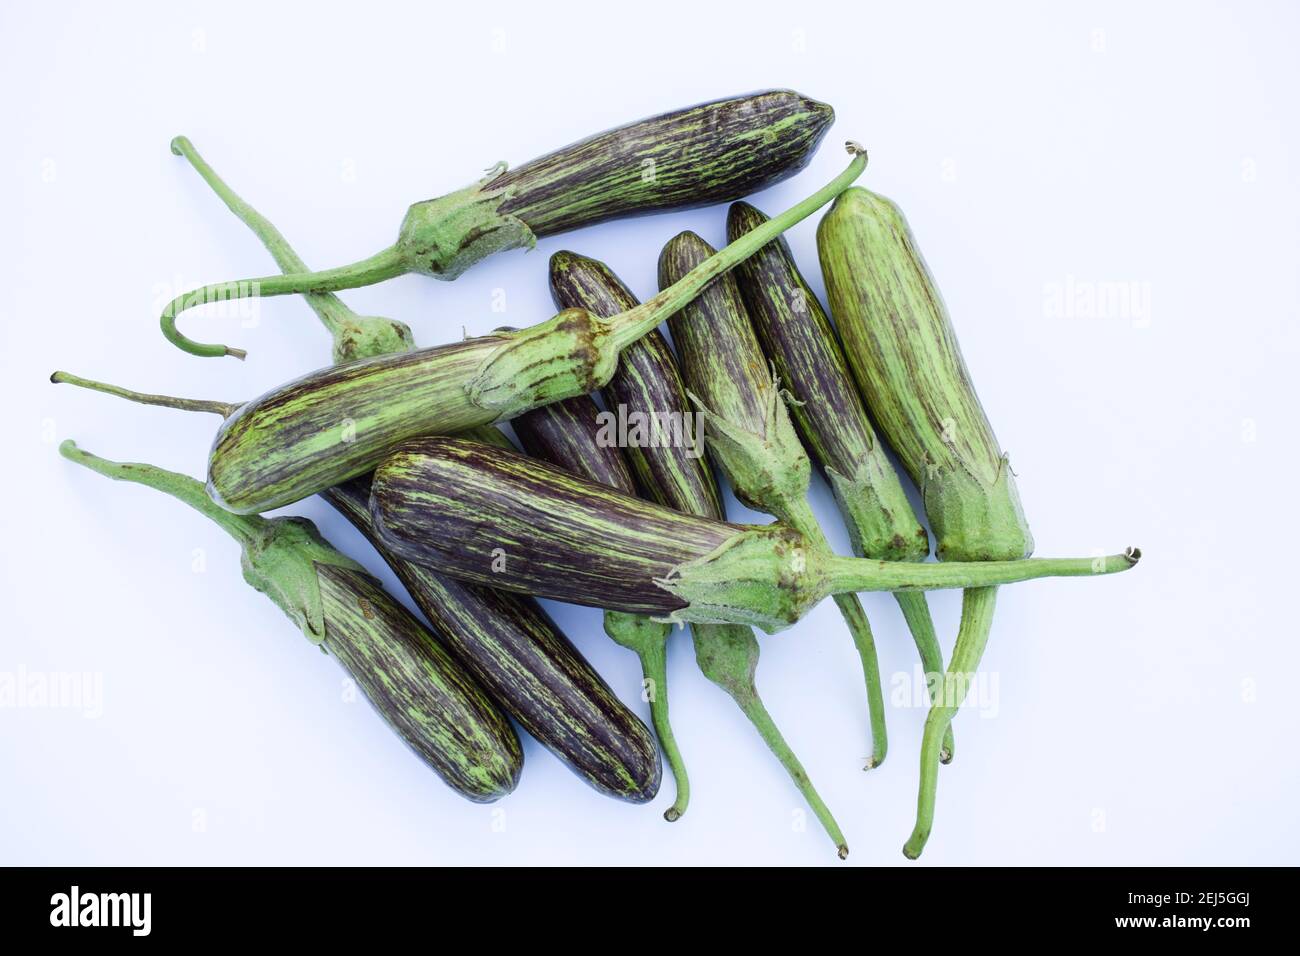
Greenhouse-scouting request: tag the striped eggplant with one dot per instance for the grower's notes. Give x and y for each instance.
(832, 421)
(749, 432)
(491, 516)
(669, 462)
(434, 706)
(675, 473)
(710, 153)
(515, 650)
(504, 640)
(903, 351)
(338, 423)
(568, 435)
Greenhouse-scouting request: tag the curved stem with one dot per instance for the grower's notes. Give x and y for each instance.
(627, 327)
(972, 636)
(655, 670)
(332, 311)
(243, 528)
(797, 513)
(860, 630)
(224, 409)
(866, 574)
(758, 715)
(383, 265)
(916, 611)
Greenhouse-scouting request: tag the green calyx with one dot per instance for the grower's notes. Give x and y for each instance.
(766, 467)
(445, 236)
(874, 529)
(636, 632)
(973, 520)
(280, 560)
(364, 336)
(569, 354)
(764, 577)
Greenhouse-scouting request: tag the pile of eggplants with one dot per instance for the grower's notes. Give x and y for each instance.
(761, 384)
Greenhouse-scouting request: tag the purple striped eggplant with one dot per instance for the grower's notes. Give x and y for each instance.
(676, 473)
(832, 421)
(487, 515)
(568, 435)
(515, 650)
(338, 423)
(440, 711)
(750, 435)
(508, 642)
(710, 153)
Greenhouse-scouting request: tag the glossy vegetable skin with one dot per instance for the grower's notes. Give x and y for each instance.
(708, 153)
(491, 516)
(514, 649)
(338, 423)
(438, 709)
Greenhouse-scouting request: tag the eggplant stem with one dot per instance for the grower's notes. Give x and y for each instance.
(972, 637)
(224, 409)
(386, 264)
(654, 668)
(864, 574)
(758, 715)
(797, 513)
(916, 611)
(243, 528)
(334, 314)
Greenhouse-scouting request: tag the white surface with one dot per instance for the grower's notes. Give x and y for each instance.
(1146, 718)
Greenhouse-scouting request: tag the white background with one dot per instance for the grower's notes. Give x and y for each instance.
(1145, 718)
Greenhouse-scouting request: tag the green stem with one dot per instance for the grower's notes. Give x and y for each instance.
(654, 668)
(797, 513)
(728, 656)
(627, 327)
(860, 629)
(224, 409)
(758, 715)
(243, 528)
(383, 265)
(864, 574)
(972, 637)
(332, 311)
(916, 611)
